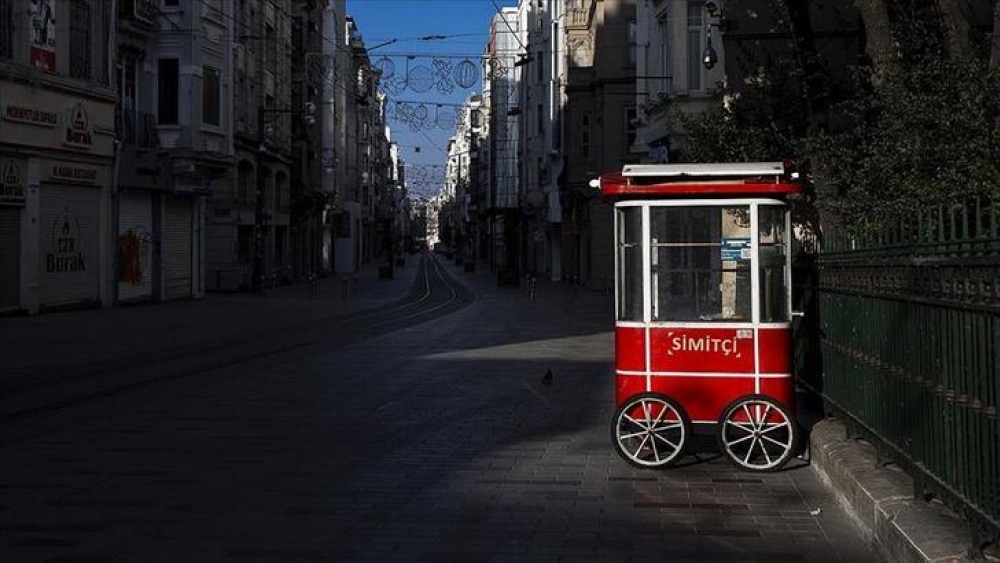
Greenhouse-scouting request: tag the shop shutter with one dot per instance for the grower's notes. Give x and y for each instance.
(135, 246)
(69, 244)
(177, 248)
(10, 257)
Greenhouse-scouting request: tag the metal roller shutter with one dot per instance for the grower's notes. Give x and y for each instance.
(177, 248)
(135, 246)
(69, 245)
(10, 258)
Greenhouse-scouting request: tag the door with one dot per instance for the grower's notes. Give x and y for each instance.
(68, 252)
(135, 246)
(10, 257)
(178, 249)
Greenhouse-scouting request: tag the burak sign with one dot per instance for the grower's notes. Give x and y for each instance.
(67, 254)
(78, 133)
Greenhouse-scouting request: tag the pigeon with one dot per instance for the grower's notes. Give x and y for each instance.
(547, 378)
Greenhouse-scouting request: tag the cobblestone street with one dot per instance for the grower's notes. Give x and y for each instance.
(432, 440)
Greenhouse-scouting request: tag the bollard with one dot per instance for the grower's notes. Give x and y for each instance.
(354, 285)
(532, 288)
(311, 286)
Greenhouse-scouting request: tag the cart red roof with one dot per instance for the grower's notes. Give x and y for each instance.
(732, 179)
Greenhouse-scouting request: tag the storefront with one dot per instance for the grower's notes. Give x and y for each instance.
(70, 234)
(135, 246)
(56, 236)
(12, 182)
(179, 248)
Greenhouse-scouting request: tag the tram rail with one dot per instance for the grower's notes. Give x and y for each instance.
(434, 296)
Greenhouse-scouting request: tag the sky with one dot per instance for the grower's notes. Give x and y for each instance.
(407, 20)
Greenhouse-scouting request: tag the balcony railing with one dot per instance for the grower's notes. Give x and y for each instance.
(139, 129)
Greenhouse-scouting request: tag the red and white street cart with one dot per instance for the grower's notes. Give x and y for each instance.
(703, 314)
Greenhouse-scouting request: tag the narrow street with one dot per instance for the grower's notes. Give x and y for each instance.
(420, 430)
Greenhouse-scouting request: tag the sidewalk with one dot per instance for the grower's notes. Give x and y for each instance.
(579, 301)
(46, 342)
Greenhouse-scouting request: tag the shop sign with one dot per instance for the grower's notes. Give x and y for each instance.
(43, 34)
(31, 116)
(66, 251)
(11, 183)
(735, 249)
(73, 173)
(78, 133)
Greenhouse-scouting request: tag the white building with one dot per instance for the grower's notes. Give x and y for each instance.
(541, 98)
(502, 83)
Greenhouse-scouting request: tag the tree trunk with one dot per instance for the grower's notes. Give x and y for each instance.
(814, 79)
(956, 28)
(995, 38)
(878, 36)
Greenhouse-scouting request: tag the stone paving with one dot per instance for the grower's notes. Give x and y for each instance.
(437, 442)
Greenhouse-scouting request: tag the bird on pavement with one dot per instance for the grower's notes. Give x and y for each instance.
(547, 378)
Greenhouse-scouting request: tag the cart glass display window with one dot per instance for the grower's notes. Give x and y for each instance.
(629, 263)
(700, 263)
(773, 241)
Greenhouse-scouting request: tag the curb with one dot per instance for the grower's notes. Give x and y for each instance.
(880, 500)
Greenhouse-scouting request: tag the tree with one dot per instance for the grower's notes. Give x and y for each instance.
(878, 36)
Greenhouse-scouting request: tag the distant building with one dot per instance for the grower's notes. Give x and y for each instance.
(541, 99)
(599, 128)
(501, 86)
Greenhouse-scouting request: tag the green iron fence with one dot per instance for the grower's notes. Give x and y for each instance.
(906, 345)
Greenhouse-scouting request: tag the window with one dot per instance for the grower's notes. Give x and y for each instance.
(6, 29)
(585, 136)
(696, 31)
(772, 257)
(540, 65)
(700, 263)
(171, 3)
(628, 262)
(663, 30)
(541, 120)
(631, 125)
(127, 95)
(79, 40)
(167, 97)
(632, 43)
(211, 113)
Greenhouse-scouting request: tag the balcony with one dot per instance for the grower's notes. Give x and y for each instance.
(143, 11)
(139, 130)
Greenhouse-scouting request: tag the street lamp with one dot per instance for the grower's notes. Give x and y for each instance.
(709, 57)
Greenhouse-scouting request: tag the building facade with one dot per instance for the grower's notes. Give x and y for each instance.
(57, 155)
(599, 117)
(541, 99)
(673, 39)
(501, 86)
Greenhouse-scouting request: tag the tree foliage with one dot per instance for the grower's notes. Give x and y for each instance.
(929, 133)
(927, 130)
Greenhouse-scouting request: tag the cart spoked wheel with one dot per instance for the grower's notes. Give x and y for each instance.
(650, 430)
(758, 433)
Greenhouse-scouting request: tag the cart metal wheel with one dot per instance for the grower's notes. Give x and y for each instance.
(758, 433)
(650, 430)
